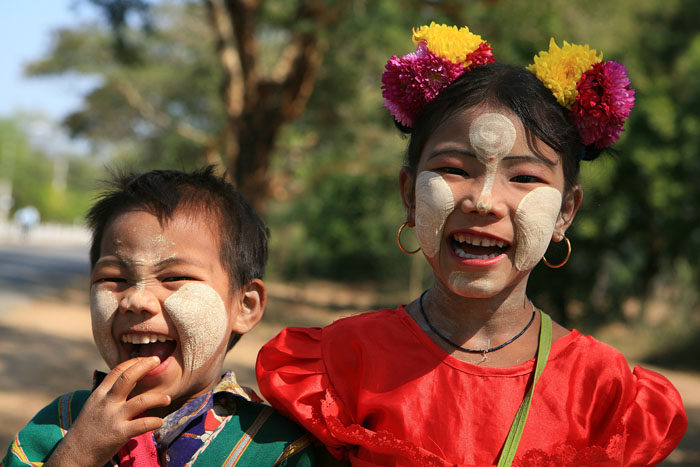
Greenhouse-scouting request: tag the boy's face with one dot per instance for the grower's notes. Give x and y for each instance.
(162, 290)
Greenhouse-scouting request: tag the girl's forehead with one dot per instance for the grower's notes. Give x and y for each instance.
(486, 132)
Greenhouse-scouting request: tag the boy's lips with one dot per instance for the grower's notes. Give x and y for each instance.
(140, 344)
(470, 245)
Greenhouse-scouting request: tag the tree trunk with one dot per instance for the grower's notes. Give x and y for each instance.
(258, 106)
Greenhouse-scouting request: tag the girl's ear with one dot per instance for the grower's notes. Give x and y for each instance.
(248, 306)
(408, 194)
(569, 208)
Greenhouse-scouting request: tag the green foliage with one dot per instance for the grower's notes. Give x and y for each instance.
(335, 207)
(31, 174)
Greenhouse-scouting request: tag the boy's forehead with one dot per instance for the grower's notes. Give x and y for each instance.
(143, 224)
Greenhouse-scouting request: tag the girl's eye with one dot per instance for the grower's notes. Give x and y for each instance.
(526, 179)
(453, 171)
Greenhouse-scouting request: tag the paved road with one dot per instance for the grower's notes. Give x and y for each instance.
(28, 272)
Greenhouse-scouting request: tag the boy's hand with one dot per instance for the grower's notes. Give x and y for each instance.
(108, 420)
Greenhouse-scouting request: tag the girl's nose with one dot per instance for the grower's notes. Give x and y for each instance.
(138, 300)
(484, 199)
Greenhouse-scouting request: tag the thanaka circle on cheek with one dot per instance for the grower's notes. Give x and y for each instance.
(434, 202)
(535, 219)
(201, 321)
(103, 308)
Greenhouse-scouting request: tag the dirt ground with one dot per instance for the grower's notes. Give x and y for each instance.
(46, 349)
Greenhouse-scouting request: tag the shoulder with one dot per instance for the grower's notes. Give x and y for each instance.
(36, 441)
(259, 435)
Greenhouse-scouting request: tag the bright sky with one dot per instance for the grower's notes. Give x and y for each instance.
(25, 35)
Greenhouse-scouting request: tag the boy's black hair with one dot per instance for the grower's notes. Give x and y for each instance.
(513, 88)
(241, 232)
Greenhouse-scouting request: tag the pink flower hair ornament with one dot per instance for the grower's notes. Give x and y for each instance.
(597, 94)
(442, 54)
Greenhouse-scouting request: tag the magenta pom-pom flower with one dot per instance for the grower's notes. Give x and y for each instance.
(411, 81)
(603, 103)
(442, 54)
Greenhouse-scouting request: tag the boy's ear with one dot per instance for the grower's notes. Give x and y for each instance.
(248, 310)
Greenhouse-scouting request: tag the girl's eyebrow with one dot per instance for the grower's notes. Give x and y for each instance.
(530, 158)
(450, 150)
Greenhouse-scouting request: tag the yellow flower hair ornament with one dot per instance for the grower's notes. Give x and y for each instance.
(442, 54)
(596, 94)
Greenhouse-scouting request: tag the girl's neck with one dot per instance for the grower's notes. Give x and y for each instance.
(480, 323)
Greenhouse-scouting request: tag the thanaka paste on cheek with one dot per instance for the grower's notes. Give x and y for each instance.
(201, 320)
(535, 220)
(492, 136)
(434, 202)
(103, 308)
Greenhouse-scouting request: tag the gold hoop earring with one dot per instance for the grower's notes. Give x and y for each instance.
(398, 240)
(568, 254)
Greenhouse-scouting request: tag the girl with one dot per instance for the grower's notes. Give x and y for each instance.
(471, 372)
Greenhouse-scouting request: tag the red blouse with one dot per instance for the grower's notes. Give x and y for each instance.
(375, 388)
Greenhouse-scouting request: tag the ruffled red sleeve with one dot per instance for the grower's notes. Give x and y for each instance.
(655, 421)
(292, 377)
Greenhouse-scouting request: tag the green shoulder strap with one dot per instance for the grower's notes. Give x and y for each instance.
(518, 426)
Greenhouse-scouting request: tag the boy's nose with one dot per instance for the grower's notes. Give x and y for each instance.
(139, 300)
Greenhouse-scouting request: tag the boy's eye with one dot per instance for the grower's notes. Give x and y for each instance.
(178, 278)
(525, 179)
(110, 279)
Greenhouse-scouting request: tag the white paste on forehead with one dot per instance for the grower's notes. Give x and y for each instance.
(535, 220)
(103, 308)
(434, 202)
(492, 137)
(201, 320)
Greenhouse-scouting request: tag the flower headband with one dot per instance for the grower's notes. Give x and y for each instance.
(442, 54)
(597, 94)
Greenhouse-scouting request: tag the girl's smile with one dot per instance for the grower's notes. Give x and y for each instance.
(486, 204)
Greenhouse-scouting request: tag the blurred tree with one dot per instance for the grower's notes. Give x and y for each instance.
(333, 167)
(267, 53)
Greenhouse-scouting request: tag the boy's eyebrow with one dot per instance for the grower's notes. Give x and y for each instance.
(166, 262)
(180, 260)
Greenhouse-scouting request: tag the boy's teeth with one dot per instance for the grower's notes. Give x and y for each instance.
(144, 338)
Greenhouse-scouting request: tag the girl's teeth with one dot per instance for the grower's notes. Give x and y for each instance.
(478, 241)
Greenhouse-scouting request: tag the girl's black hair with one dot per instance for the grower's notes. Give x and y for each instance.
(512, 88)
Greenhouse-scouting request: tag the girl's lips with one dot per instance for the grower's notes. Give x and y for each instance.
(475, 248)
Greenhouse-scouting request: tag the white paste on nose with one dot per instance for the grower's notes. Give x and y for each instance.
(103, 308)
(201, 320)
(492, 137)
(434, 202)
(535, 220)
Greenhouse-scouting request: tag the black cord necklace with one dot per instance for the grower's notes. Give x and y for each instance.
(464, 349)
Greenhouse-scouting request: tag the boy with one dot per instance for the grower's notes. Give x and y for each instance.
(176, 266)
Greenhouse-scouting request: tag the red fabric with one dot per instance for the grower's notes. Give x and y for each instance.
(376, 389)
(139, 451)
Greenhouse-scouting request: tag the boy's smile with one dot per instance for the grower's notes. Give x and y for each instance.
(161, 290)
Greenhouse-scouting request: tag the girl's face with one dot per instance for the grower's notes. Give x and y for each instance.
(484, 205)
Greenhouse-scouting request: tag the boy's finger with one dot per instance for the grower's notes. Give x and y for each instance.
(143, 425)
(117, 371)
(127, 380)
(143, 402)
